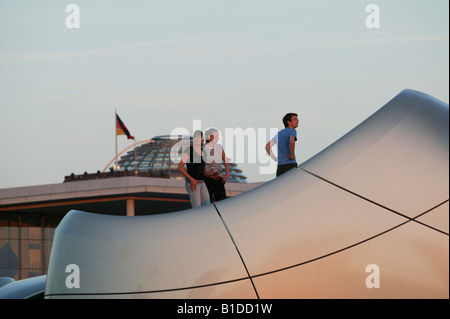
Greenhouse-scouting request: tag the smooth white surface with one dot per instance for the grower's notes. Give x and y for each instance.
(119, 254)
(412, 259)
(398, 157)
(23, 289)
(297, 218)
(309, 233)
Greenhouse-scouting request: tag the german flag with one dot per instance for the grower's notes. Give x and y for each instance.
(121, 129)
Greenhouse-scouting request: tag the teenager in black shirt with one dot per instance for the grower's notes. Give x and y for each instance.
(195, 184)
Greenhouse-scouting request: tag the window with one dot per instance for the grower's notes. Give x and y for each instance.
(25, 243)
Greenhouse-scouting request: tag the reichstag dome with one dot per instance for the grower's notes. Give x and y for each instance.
(160, 158)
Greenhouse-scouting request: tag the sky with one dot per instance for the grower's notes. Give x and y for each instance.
(165, 65)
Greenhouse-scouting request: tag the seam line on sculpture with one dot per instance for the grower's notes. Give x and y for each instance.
(426, 212)
(355, 194)
(380, 205)
(332, 253)
(146, 292)
(237, 249)
(363, 241)
(356, 244)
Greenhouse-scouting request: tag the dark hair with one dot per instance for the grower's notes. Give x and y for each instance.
(287, 118)
(197, 133)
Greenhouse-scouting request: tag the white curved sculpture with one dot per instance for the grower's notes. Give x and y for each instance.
(368, 217)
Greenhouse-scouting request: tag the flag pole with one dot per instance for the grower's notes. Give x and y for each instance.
(115, 130)
(135, 160)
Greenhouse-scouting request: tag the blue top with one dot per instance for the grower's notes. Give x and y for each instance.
(282, 141)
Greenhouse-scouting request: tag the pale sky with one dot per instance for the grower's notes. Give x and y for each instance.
(229, 64)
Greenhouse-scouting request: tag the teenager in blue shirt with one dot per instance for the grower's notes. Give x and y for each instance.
(285, 140)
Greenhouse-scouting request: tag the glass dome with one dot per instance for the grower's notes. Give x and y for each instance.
(160, 158)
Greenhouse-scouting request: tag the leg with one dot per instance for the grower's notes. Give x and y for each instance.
(281, 169)
(220, 191)
(204, 194)
(210, 186)
(194, 196)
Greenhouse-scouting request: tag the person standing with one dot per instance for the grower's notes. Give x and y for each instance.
(285, 141)
(215, 177)
(195, 184)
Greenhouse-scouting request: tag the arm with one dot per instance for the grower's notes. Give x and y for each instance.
(269, 150)
(227, 167)
(183, 161)
(291, 147)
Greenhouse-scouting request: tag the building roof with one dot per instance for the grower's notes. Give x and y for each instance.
(152, 195)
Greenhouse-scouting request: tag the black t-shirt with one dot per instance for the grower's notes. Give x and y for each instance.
(195, 165)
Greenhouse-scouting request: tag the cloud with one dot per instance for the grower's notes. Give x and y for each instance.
(6, 58)
(336, 44)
